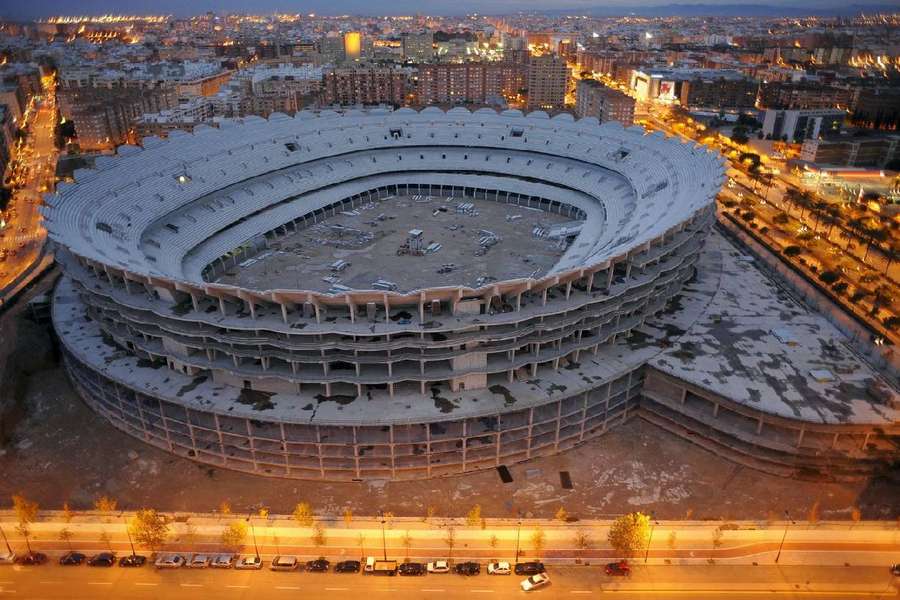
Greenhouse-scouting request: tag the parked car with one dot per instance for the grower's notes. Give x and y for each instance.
(499, 568)
(411, 568)
(248, 561)
(222, 561)
(534, 582)
(169, 561)
(347, 566)
(529, 568)
(104, 559)
(320, 565)
(620, 569)
(70, 559)
(284, 563)
(199, 561)
(895, 570)
(7, 558)
(468, 568)
(32, 559)
(133, 560)
(438, 566)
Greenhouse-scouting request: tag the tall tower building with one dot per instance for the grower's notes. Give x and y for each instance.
(547, 78)
(352, 45)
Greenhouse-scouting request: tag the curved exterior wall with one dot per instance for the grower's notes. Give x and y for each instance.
(140, 238)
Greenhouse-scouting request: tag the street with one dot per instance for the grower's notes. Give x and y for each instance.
(52, 581)
(23, 237)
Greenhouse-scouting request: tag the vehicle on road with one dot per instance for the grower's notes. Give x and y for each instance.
(133, 560)
(284, 563)
(529, 568)
(534, 582)
(320, 565)
(7, 558)
(248, 562)
(438, 566)
(618, 569)
(104, 559)
(411, 568)
(222, 561)
(468, 568)
(375, 566)
(498, 568)
(70, 559)
(347, 566)
(895, 570)
(32, 559)
(169, 561)
(199, 561)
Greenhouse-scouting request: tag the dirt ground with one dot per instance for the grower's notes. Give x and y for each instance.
(61, 451)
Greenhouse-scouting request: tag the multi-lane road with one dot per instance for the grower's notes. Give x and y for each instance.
(53, 582)
(22, 240)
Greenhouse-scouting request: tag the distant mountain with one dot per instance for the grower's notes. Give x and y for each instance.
(728, 10)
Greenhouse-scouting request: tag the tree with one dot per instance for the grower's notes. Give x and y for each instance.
(430, 512)
(318, 535)
(538, 539)
(673, 539)
(717, 537)
(67, 513)
(348, 517)
(104, 537)
(855, 515)
(361, 540)
(582, 540)
(813, 515)
(26, 512)
(474, 516)
(562, 515)
(450, 541)
(149, 528)
(65, 535)
(234, 535)
(225, 508)
(303, 514)
(105, 504)
(494, 541)
(406, 540)
(629, 533)
(190, 534)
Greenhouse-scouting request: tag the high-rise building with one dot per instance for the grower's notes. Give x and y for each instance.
(547, 79)
(593, 99)
(799, 125)
(364, 85)
(418, 47)
(352, 46)
(469, 83)
(718, 93)
(331, 50)
(850, 151)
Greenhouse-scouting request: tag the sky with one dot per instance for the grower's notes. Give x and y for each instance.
(31, 9)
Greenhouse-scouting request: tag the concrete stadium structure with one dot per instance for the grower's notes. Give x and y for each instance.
(392, 380)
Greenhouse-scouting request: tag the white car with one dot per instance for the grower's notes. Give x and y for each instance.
(498, 568)
(249, 561)
(284, 563)
(7, 558)
(222, 561)
(438, 566)
(199, 561)
(169, 561)
(535, 581)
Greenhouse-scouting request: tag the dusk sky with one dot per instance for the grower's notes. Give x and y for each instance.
(40, 8)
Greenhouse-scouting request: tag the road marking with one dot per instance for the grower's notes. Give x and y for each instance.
(432, 590)
(581, 592)
(336, 589)
(191, 585)
(99, 582)
(482, 591)
(240, 587)
(286, 587)
(49, 582)
(145, 583)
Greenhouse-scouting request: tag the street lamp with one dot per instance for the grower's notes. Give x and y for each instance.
(383, 538)
(518, 533)
(128, 532)
(253, 533)
(653, 524)
(3, 533)
(788, 522)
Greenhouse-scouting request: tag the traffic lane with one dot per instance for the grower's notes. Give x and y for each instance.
(52, 581)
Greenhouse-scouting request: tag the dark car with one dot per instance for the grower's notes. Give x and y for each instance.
(133, 560)
(72, 558)
(620, 569)
(468, 568)
(411, 568)
(32, 558)
(104, 559)
(895, 570)
(317, 566)
(347, 566)
(529, 568)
